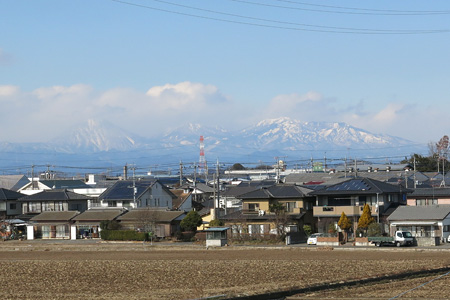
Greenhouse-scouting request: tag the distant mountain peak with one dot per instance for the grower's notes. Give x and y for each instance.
(97, 136)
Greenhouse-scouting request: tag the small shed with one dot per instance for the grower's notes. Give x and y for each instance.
(216, 236)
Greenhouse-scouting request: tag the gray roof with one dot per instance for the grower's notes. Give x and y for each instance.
(235, 191)
(54, 195)
(159, 215)
(55, 216)
(123, 189)
(428, 212)
(240, 216)
(65, 184)
(430, 192)
(6, 194)
(13, 182)
(99, 215)
(360, 186)
(275, 192)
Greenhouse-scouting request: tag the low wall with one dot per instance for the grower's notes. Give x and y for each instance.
(428, 241)
(362, 241)
(327, 241)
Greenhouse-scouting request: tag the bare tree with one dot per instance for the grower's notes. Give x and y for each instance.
(147, 219)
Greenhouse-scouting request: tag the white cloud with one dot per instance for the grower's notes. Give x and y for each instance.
(8, 91)
(47, 112)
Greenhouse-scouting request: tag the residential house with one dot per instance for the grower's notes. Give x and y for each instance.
(161, 222)
(52, 200)
(183, 200)
(36, 185)
(350, 197)
(52, 225)
(423, 221)
(429, 196)
(87, 224)
(136, 193)
(13, 182)
(9, 205)
(257, 217)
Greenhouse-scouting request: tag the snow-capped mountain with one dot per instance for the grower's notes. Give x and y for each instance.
(99, 143)
(97, 136)
(288, 134)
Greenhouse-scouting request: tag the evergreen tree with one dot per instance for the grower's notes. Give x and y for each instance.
(366, 218)
(345, 224)
(191, 221)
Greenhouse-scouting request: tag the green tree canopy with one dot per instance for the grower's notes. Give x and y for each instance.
(191, 221)
(344, 222)
(216, 223)
(366, 217)
(237, 167)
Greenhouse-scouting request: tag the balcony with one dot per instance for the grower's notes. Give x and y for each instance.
(336, 211)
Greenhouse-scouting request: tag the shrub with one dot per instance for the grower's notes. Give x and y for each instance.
(374, 229)
(123, 235)
(191, 221)
(216, 223)
(307, 229)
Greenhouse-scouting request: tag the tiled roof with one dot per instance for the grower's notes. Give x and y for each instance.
(53, 216)
(275, 192)
(428, 212)
(430, 192)
(65, 184)
(240, 216)
(54, 195)
(359, 186)
(99, 215)
(6, 194)
(157, 215)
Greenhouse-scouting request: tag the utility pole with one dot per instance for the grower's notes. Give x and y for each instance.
(415, 185)
(195, 182)
(181, 173)
(217, 202)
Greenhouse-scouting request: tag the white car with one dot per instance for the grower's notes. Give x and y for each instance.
(312, 240)
(448, 239)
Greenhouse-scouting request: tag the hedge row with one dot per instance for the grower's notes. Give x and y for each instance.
(123, 235)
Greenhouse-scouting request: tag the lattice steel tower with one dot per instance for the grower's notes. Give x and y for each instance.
(202, 160)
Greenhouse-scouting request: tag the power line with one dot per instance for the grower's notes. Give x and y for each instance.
(283, 22)
(340, 30)
(358, 11)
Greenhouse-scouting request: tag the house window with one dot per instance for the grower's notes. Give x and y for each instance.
(112, 203)
(34, 207)
(423, 202)
(253, 206)
(290, 206)
(12, 206)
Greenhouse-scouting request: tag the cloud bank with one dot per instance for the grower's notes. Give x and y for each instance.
(48, 112)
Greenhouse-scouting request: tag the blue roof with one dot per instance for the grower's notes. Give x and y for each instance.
(217, 229)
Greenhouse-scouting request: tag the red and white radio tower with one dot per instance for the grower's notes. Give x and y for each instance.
(202, 161)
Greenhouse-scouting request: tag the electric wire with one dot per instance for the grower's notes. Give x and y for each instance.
(349, 31)
(366, 9)
(359, 11)
(286, 23)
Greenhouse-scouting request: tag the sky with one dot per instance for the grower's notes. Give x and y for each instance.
(148, 66)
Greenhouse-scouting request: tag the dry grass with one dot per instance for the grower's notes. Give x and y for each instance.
(132, 271)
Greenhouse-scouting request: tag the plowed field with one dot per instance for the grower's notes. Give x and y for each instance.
(135, 271)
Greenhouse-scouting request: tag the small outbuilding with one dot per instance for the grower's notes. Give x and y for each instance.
(216, 236)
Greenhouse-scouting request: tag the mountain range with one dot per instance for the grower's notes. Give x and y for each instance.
(106, 143)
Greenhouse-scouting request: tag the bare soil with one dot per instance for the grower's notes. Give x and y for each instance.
(136, 271)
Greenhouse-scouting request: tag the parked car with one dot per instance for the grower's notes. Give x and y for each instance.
(312, 240)
(448, 239)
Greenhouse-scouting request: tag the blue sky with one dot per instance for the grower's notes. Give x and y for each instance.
(151, 65)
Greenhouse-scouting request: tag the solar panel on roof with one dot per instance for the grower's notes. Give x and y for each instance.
(352, 185)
